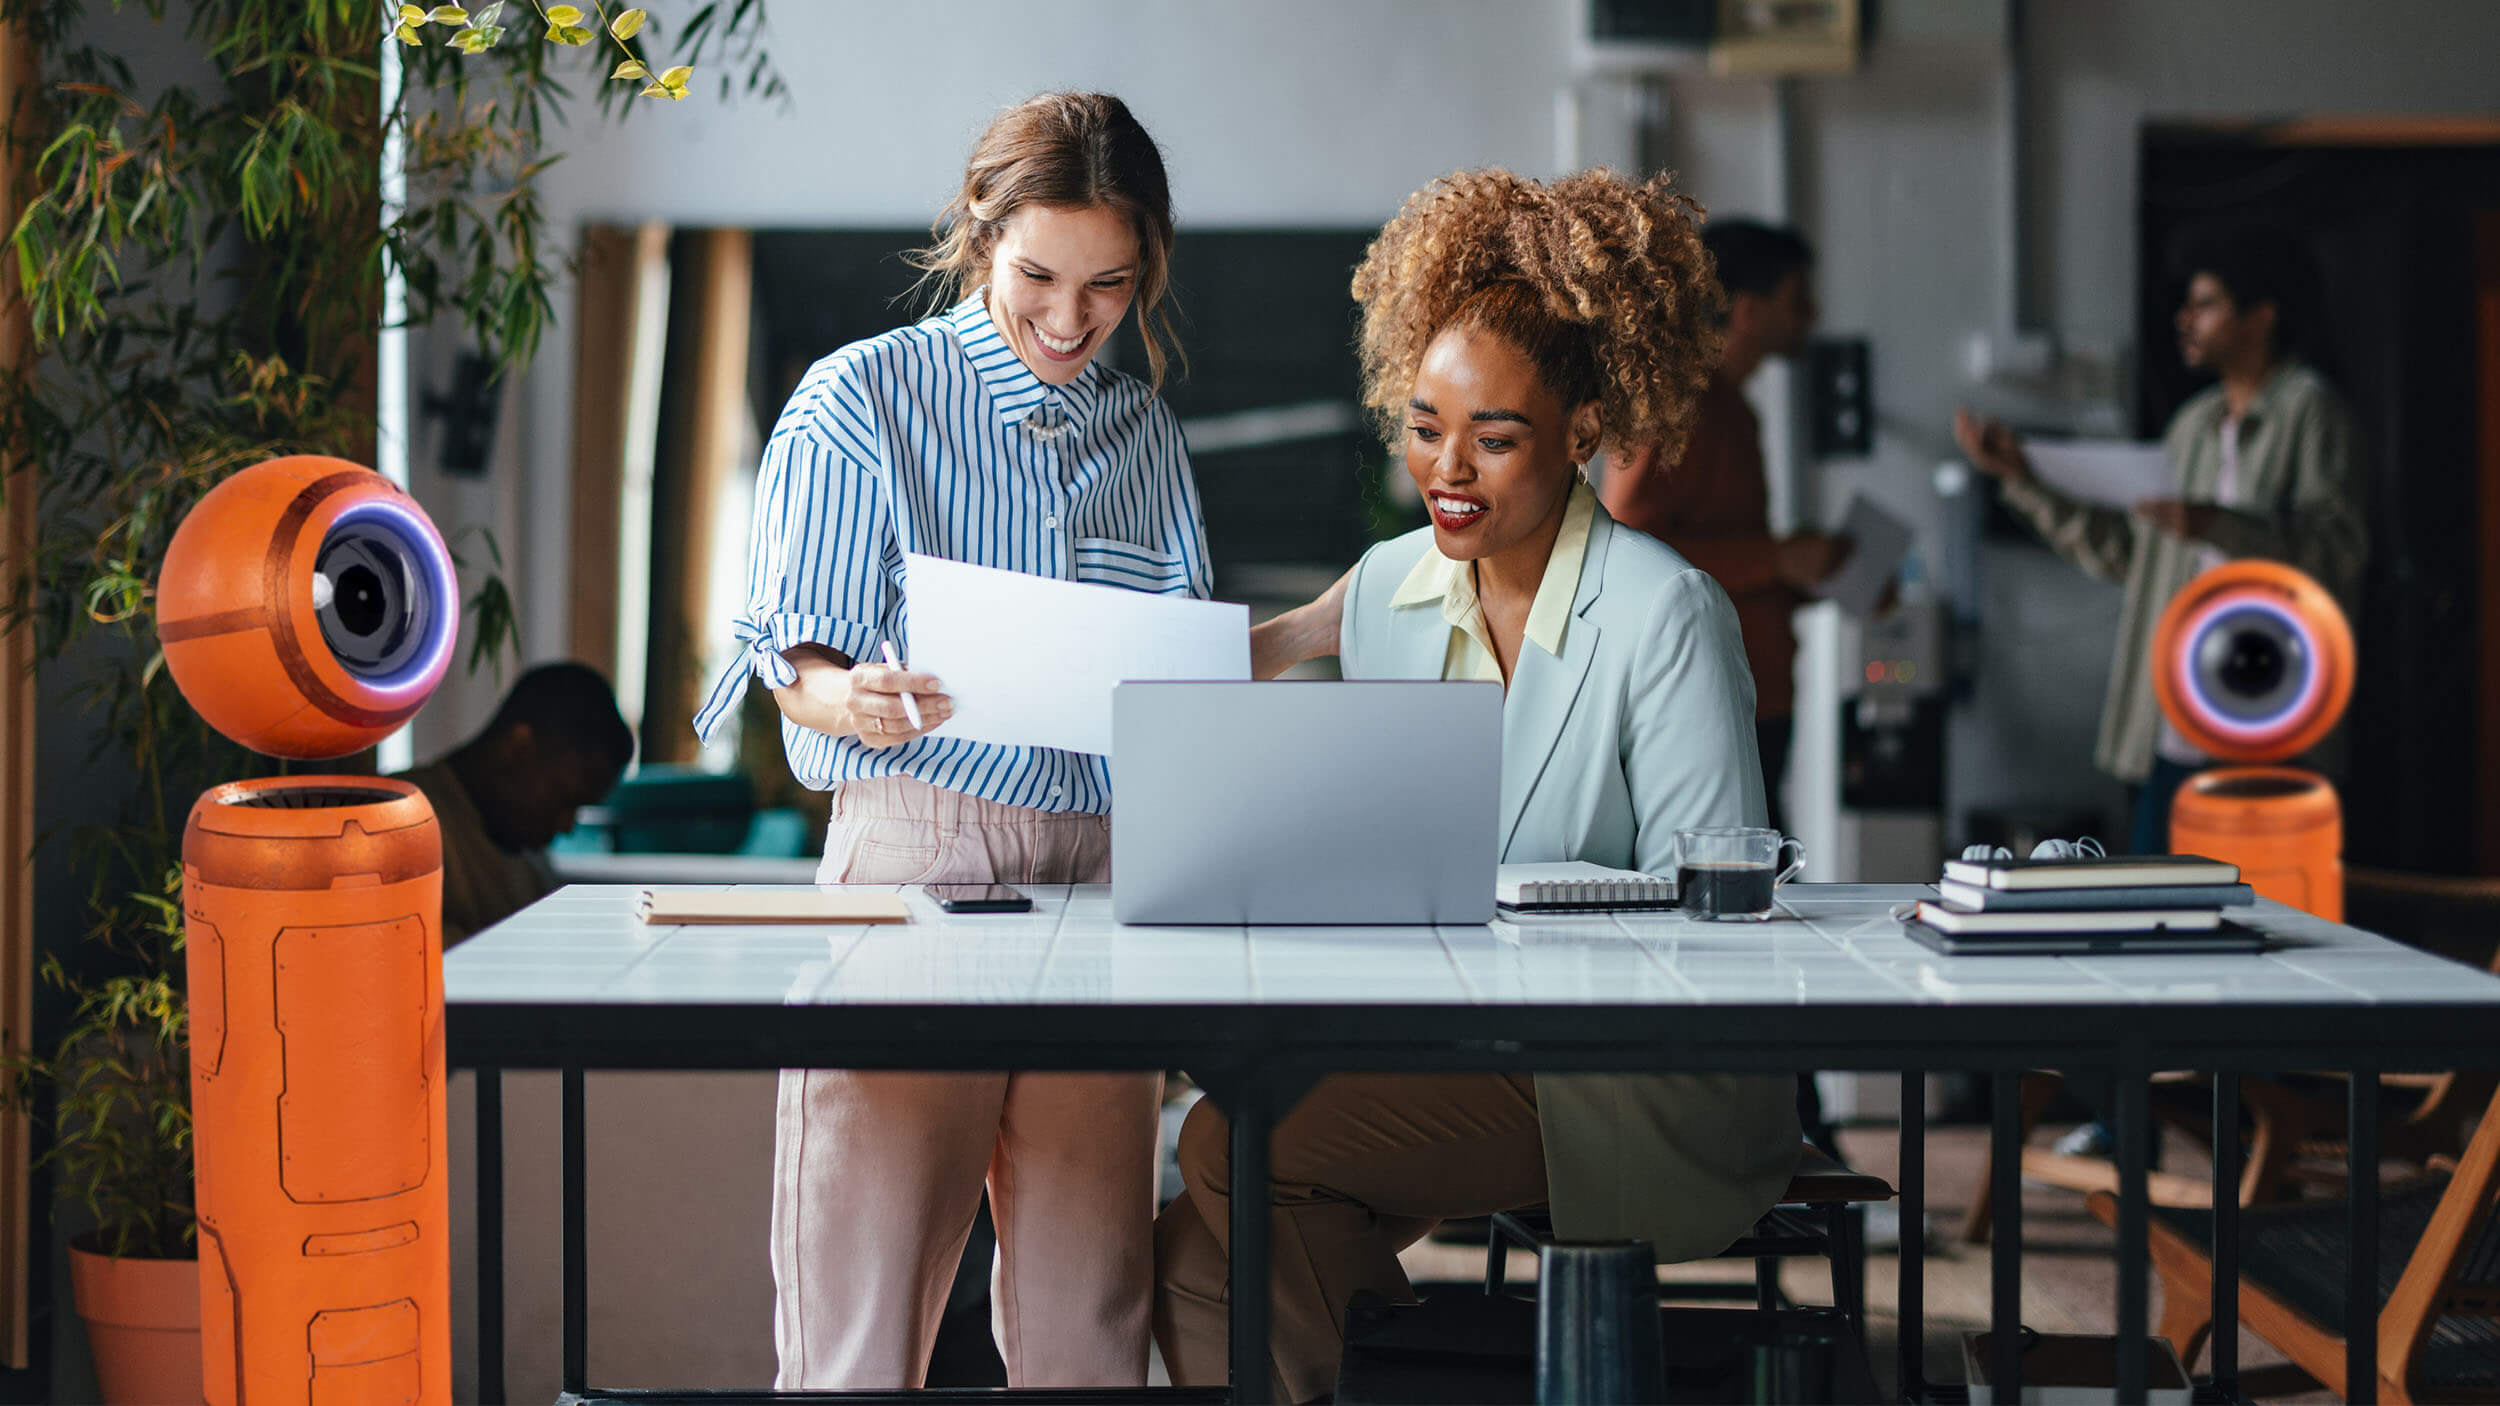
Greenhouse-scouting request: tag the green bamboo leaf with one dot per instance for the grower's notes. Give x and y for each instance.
(628, 24)
(449, 14)
(631, 68)
(561, 15)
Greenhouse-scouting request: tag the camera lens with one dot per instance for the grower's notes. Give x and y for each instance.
(2254, 664)
(357, 597)
(372, 599)
(2251, 664)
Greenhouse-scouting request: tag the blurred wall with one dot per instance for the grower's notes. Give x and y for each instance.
(2102, 67)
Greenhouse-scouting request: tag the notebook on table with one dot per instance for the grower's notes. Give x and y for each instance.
(1577, 886)
(2114, 872)
(1962, 922)
(1973, 898)
(661, 907)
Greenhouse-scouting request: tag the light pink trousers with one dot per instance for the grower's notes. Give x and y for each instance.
(877, 1176)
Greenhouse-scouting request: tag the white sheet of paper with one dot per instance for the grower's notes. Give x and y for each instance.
(1031, 661)
(2118, 472)
(1877, 542)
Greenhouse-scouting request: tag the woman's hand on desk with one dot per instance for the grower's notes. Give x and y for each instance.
(842, 699)
(1304, 632)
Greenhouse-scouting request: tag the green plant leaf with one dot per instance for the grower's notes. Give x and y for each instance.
(562, 15)
(631, 68)
(628, 24)
(570, 34)
(412, 14)
(407, 34)
(486, 18)
(449, 14)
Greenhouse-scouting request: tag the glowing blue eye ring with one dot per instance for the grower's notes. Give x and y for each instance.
(414, 535)
(2283, 720)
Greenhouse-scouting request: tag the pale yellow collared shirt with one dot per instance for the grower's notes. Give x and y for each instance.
(1453, 583)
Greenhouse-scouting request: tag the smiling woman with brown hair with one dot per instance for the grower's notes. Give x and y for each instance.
(991, 433)
(1509, 329)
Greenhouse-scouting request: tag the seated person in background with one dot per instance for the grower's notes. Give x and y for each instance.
(557, 743)
(1509, 328)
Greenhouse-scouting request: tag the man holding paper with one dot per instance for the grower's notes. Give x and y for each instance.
(2267, 463)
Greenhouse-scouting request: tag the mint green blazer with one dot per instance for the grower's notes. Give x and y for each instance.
(1644, 726)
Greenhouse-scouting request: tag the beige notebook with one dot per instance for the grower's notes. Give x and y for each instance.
(820, 905)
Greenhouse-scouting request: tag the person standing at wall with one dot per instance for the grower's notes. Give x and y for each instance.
(2268, 463)
(1712, 504)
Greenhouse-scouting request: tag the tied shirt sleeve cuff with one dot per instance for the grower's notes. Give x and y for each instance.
(760, 642)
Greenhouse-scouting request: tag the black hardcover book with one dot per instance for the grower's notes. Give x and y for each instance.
(2229, 937)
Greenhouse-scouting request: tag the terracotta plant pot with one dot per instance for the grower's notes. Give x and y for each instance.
(143, 1325)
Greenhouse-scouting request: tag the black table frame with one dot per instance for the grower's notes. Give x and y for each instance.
(1258, 1060)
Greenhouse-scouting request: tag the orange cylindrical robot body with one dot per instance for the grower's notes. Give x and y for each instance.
(317, 1077)
(2282, 826)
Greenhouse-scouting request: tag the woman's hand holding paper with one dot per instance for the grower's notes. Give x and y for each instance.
(839, 698)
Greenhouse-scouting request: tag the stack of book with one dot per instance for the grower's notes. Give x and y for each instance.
(2123, 903)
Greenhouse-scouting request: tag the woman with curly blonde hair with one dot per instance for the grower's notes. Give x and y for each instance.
(1511, 327)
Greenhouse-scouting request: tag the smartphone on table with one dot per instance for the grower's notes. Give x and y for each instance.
(977, 898)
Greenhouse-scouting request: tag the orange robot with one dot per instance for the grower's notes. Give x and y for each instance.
(2253, 663)
(307, 608)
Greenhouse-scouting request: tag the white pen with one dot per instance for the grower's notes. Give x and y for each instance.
(911, 708)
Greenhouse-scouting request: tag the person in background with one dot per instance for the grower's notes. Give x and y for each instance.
(1712, 503)
(2268, 464)
(556, 744)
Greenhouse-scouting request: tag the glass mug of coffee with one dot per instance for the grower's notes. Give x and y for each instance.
(1728, 874)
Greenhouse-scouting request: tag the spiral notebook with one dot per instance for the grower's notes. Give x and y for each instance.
(663, 907)
(1577, 886)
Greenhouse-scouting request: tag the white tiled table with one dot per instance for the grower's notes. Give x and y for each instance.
(575, 982)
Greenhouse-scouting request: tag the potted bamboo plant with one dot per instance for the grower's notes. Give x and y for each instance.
(203, 269)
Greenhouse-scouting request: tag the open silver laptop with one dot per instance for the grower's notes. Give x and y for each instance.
(1305, 802)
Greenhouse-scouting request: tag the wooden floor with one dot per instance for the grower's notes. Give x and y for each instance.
(2070, 1280)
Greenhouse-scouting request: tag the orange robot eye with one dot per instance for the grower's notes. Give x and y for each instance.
(2253, 662)
(307, 607)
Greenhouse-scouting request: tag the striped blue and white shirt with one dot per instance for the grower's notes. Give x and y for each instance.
(937, 439)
